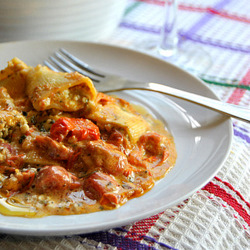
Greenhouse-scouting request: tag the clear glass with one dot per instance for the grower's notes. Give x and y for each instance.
(168, 43)
(183, 54)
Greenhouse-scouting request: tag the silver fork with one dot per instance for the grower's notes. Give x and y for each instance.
(106, 83)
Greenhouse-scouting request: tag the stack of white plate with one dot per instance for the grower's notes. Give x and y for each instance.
(86, 20)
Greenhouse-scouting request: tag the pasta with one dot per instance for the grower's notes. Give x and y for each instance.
(67, 149)
(116, 115)
(64, 91)
(13, 78)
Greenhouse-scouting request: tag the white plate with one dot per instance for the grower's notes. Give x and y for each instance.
(202, 137)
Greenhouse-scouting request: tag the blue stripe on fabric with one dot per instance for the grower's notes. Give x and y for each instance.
(145, 237)
(117, 241)
(242, 135)
(206, 18)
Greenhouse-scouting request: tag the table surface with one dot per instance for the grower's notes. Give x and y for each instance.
(218, 215)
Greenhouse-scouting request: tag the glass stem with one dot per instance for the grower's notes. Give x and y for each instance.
(169, 33)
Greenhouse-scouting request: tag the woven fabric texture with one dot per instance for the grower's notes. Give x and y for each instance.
(218, 215)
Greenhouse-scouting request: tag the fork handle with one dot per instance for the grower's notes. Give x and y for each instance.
(224, 108)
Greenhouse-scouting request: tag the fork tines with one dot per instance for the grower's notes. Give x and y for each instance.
(67, 62)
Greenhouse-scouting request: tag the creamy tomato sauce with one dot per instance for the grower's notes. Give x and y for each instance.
(60, 162)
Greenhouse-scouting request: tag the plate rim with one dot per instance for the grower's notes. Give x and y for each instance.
(62, 231)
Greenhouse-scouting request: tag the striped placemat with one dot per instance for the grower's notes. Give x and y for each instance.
(218, 215)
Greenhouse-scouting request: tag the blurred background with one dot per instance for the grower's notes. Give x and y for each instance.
(60, 19)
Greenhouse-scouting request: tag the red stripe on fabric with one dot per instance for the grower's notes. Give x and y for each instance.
(229, 199)
(142, 227)
(223, 14)
(232, 188)
(236, 96)
(157, 2)
(211, 198)
(239, 93)
(246, 79)
(230, 16)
